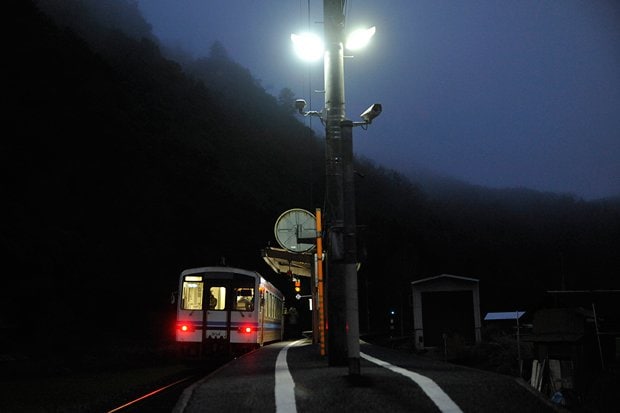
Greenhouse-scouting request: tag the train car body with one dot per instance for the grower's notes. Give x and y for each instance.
(227, 310)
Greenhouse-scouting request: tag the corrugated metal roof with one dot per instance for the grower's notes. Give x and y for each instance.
(508, 315)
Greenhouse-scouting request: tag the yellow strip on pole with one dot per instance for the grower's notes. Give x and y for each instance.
(321, 301)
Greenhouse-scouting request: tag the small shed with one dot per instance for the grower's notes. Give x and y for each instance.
(446, 305)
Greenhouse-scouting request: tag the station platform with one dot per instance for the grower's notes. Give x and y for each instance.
(294, 377)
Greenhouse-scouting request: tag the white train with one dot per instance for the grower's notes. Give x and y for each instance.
(227, 310)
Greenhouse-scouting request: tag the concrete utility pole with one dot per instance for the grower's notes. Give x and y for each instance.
(343, 318)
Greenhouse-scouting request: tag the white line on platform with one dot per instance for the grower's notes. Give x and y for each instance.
(432, 390)
(285, 386)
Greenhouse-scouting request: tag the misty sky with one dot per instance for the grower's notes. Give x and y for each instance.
(497, 93)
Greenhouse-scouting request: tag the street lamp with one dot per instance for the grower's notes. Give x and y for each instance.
(308, 46)
(343, 317)
(358, 39)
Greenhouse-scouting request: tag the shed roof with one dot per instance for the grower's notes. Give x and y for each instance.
(455, 277)
(507, 315)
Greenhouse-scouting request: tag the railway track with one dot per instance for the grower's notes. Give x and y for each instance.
(162, 398)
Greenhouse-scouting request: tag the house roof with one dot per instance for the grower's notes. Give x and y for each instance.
(454, 277)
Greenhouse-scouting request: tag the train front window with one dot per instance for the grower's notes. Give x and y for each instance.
(244, 299)
(217, 298)
(191, 298)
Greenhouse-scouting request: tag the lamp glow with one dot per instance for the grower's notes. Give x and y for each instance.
(358, 39)
(308, 46)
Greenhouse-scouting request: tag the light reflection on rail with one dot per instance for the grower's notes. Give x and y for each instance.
(146, 396)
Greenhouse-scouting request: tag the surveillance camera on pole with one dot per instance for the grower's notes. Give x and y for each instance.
(372, 112)
(300, 105)
(369, 115)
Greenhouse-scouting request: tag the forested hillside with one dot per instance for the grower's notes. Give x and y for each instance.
(121, 167)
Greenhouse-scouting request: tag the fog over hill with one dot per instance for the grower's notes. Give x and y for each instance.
(522, 95)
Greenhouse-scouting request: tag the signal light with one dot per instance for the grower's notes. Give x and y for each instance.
(297, 285)
(186, 328)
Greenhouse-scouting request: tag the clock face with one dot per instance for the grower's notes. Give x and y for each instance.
(293, 229)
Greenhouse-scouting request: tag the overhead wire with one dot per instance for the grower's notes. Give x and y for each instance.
(309, 71)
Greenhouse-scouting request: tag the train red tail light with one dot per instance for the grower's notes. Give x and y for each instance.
(186, 327)
(246, 329)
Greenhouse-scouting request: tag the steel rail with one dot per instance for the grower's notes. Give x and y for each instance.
(154, 392)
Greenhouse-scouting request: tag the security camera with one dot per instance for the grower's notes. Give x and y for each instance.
(372, 112)
(300, 104)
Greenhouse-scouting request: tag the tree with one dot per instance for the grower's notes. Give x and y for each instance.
(218, 51)
(286, 100)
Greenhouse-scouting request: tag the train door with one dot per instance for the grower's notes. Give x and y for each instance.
(231, 318)
(215, 317)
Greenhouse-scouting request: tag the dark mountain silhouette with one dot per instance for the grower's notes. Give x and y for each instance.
(121, 167)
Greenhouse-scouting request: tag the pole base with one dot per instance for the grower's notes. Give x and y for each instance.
(354, 366)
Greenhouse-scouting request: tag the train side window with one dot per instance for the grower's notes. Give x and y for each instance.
(217, 298)
(191, 296)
